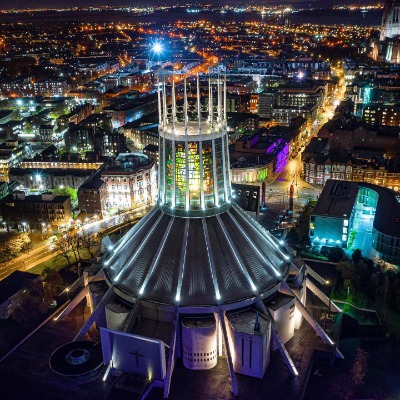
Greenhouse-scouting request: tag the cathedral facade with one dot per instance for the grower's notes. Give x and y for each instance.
(388, 46)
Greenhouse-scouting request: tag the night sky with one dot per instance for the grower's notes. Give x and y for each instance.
(18, 4)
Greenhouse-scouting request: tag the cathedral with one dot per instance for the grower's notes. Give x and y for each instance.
(388, 47)
(197, 279)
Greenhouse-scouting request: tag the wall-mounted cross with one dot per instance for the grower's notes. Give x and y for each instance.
(137, 355)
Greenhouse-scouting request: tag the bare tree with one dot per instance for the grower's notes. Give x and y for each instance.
(88, 241)
(67, 247)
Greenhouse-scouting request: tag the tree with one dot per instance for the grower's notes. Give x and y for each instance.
(53, 283)
(67, 247)
(16, 244)
(88, 241)
(346, 270)
(356, 256)
(335, 255)
(342, 388)
(67, 191)
(359, 368)
(31, 306)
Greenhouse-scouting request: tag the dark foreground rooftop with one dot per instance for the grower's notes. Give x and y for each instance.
(26, 374)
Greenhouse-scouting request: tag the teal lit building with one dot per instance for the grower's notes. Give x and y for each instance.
(341, 206)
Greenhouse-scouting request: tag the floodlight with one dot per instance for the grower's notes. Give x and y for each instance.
(157, 48)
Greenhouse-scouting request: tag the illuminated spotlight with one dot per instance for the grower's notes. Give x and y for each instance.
(157, 48)
(300, 75)
(281, 242)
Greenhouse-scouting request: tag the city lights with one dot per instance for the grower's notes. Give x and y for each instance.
(187, 185)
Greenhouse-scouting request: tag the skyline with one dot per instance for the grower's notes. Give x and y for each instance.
(36, 4)
(199, 199)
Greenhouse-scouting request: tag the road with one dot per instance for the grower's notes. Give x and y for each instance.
(45, 252)
(277, 192)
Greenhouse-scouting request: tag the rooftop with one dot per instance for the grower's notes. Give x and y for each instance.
(15, 282)
(244, 321)
(337, 199)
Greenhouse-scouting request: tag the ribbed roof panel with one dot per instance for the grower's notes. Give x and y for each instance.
(163, 282)
(238, 256)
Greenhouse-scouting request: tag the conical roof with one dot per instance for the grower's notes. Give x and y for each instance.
(196, 262)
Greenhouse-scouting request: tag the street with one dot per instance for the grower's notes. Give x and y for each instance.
(45, 252)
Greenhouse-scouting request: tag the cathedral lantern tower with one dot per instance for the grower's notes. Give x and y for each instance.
(194, 159)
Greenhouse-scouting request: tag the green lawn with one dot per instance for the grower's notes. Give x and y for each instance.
(57, 264)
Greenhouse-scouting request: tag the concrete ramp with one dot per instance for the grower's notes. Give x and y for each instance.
(322, 296)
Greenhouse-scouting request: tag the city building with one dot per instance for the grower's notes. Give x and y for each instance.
(348, 148)
(11, 130)
(46, 132)
(92, 196)
(266, 102)
(28, 87)
(94, 133)
(131, 181)
(124, 111)
(12, 152)
(382, 114)
(51, 159)
(11, 289)
(78, 114)
(341, 208)
(141, 135)
(259, 144)
(49, 178)
(252, 169)
(18, 209)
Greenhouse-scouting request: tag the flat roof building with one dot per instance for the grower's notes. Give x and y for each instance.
(344, 206)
